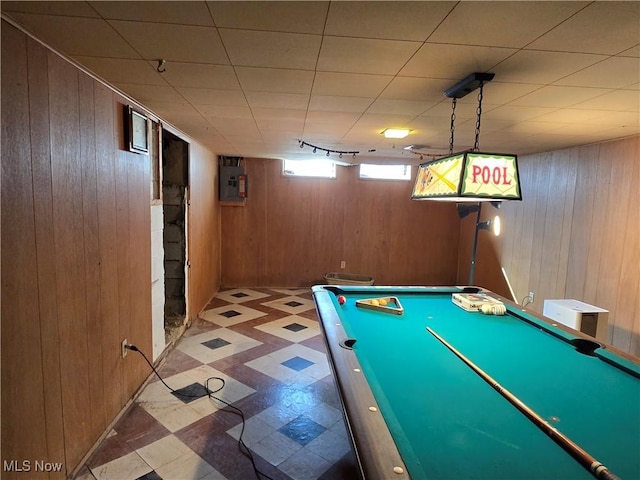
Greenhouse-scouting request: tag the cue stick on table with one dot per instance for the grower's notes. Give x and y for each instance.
(596, 468)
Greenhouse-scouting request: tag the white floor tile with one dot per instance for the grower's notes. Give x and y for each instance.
(187, 467)
(129, 467)
(163, 451)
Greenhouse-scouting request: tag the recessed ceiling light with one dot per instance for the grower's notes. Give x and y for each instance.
(395, 132)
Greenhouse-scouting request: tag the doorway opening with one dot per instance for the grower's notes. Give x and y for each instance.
(175, 175)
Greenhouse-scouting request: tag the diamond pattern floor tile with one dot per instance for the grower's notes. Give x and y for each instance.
(291, 305)
(293, 328)
(263, 349)
(216, 344)
(240, 295)
(231, 314)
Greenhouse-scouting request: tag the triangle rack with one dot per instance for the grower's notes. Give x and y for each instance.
(382, 304)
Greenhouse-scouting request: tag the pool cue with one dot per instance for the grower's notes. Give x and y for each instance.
(596, 468)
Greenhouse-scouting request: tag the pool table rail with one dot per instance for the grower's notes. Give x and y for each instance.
(606, 352)
(376, 452)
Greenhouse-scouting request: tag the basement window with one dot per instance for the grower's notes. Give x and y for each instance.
(309, 168)
(385, 172)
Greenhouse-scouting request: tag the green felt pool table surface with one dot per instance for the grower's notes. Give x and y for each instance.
(447, 422)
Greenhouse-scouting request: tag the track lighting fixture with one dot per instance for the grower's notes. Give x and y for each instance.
(328, 151)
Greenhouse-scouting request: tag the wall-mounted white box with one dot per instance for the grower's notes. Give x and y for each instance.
(579, 316)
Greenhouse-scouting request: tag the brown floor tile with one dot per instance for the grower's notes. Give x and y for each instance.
(177, 362)
(316, 343)
(110, 449)
(137, 428)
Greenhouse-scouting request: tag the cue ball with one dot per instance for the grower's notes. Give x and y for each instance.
(341, 299)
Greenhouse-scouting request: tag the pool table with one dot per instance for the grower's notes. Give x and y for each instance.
(415, 410)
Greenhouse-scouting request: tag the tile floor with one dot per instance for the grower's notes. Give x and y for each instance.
(267, 347)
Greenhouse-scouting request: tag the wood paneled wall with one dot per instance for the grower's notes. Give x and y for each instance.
(75, 257)
(203, 229)
(294, 230)
(576, 234)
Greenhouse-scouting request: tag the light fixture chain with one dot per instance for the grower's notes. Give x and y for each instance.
(453, 122)
(476, 146)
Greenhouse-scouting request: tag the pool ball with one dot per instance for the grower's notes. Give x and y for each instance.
(341, 299)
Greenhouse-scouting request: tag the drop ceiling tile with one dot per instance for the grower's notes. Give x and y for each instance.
(431, 123)
(293, 17)
(210, 96)
(323, 130)
(363, 55)
(517, 113)
(234, 125)
(530, 128)
(271, 49)
(632, 52)
(122, 70)
(399, 107)
(557, 96)
(169, 110)
(197, 75)
(570, 115)
(68, 9)
(584, 129)
(184, 43)
(278, 114)
(386, 20)
(274, 80)
(286, 125)
(147, 93)
(219, 111)
(596, 29)
(617, 100)
(274, 137)
(454, 62)
(614, 72)
(331, 103)
(627, 120)
(385, 121)
(82, 36)
(349, 84)
(419, 89)
(185, 13)
(339, 119)
(443, 110)
(363, 137)
(533, 66)
(499, 93)
(502, 24)
(296, 101)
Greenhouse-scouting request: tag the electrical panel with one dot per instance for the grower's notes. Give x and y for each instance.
(233, 181)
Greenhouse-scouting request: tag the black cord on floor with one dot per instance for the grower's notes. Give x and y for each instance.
(210, 394)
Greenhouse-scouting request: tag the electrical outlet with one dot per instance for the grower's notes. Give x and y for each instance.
(343, 264)
(532, 296)
(124, 348)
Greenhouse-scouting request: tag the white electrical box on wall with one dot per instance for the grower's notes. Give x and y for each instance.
(579, 316)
